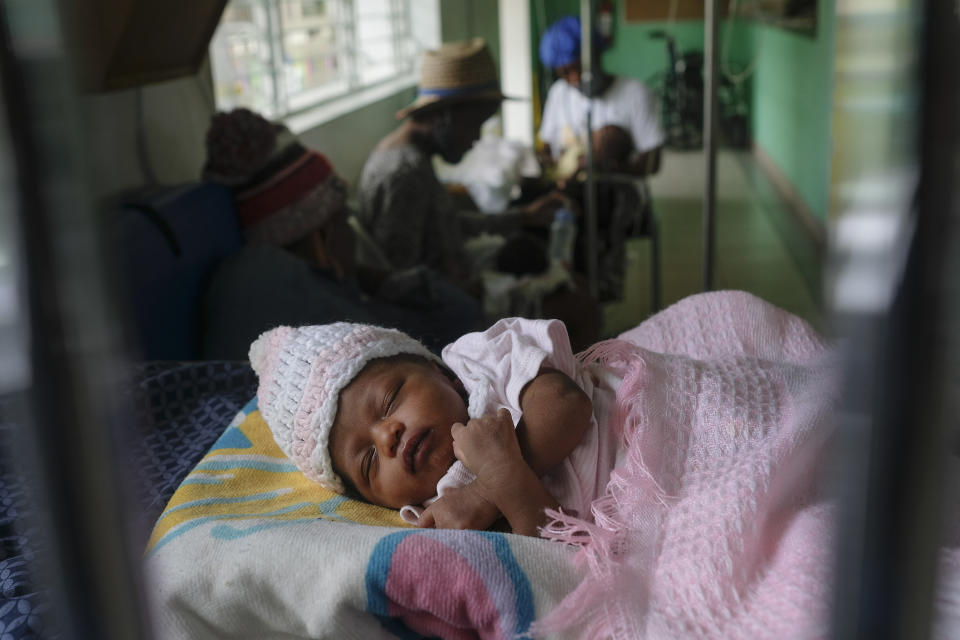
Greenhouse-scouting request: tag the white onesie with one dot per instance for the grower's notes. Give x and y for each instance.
(496, 364)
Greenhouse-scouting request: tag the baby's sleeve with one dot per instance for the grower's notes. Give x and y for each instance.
(495, 365)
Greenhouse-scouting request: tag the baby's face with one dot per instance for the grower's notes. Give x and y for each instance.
(391, 437)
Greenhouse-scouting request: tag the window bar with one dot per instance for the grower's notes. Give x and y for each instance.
(275, 43)
(586, 63)
(349, 46)
(710, 76)
(396, 34)
(408, 50)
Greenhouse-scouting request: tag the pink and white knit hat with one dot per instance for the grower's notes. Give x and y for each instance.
(302, 371)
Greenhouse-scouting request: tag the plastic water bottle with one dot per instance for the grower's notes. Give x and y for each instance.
(563, 232)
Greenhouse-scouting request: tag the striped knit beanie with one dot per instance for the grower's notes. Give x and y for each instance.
(282, 190)
(302, 371)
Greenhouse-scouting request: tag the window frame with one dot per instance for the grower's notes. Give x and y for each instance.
(313, 106)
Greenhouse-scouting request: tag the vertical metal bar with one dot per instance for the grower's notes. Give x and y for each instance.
(894, 293)
(92, 568)
(654, 232)
(586, 82)
(710, 75)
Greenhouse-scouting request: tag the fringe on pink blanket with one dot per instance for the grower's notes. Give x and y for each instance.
(712, 525)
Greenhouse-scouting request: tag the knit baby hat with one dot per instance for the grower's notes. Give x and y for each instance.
(302, 371)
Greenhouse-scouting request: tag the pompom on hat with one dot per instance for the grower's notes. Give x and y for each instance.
(283, 191)
(302, 371)
(456, 73)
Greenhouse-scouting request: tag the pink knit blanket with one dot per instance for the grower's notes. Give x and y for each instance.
(712, 526)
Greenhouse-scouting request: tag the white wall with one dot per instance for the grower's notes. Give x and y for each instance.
(175, 116)
(516, 70)
(349, 139)
(463, 19)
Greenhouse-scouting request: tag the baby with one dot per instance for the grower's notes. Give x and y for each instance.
(612, 148)
(689, 447)
(503, 425)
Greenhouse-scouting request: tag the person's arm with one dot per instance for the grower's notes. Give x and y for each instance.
(404, 207)
(556, 415)
(538, 213)
(644, 163)
(645, 129)
(460, 508)
(545, 155)
(488, 446)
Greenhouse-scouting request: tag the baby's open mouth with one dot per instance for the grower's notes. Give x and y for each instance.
(412, 450)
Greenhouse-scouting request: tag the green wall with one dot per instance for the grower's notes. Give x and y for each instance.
(463, 19)
(635, 54)
(792, 104)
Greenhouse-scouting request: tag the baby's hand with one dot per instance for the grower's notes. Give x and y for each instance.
(460, 508)
(488, 447)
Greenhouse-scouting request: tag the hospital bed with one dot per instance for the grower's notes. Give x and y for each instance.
(85, 583)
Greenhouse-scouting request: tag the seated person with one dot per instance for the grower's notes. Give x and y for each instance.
(403, 206)
(621, 211)
(620, 101)
(298, 265)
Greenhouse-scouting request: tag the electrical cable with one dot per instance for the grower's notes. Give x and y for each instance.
(740, 77)
(672, 16)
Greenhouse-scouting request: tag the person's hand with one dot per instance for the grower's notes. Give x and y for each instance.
(489, 448)
(545, 156)
(460, 508)
(539, 213)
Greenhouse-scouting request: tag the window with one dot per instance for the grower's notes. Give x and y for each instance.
(281, 57)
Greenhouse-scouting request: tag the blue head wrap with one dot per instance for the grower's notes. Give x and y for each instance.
(560, 44)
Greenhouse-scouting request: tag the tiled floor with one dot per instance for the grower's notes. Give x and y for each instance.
(759, 246)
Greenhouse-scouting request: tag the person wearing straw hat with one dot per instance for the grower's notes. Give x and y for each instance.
(403, 206)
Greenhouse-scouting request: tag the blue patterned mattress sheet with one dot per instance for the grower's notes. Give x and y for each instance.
(180, 410)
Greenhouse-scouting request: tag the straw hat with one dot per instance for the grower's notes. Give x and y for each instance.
(457, 72)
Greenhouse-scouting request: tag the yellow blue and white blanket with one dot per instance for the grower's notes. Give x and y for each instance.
(249, 548)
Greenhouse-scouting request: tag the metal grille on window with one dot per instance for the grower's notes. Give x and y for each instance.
(280, 57)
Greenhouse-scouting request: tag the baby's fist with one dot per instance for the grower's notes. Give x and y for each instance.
(488, 447)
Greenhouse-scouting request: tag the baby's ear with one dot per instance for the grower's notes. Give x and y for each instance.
(454, 380)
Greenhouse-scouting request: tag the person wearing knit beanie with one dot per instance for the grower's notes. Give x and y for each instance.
(299, 263)
(283, 191)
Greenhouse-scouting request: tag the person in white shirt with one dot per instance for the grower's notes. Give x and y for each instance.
(617, 102)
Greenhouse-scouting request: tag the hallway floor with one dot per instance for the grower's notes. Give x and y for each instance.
(760, 247)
